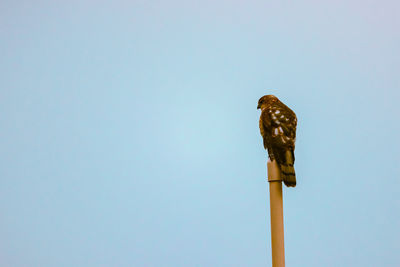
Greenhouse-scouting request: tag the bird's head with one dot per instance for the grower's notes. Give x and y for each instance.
(265, 101)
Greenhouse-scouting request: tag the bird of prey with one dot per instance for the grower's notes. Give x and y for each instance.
(278, 130)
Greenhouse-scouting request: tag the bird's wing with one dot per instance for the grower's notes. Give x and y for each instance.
(280, 124)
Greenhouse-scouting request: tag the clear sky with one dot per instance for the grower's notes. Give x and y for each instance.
(129, 132)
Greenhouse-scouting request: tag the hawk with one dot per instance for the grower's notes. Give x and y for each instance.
(278, 130)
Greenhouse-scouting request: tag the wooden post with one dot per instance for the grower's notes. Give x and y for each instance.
(276, 206)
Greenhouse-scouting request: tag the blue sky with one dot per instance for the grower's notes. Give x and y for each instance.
(129, 132)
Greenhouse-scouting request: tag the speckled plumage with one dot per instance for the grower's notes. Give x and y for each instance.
(278, 128)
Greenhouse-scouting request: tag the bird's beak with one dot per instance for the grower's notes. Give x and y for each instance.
(258, 106)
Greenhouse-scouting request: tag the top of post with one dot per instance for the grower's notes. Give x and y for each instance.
(274, 173)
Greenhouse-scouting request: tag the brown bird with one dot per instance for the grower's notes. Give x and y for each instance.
(278, 129)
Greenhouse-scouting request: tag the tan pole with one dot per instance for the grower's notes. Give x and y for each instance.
(276, 205)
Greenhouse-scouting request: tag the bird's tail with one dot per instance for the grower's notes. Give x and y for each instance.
(287, 170)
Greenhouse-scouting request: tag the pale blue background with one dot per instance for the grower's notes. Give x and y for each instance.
(129, 132)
